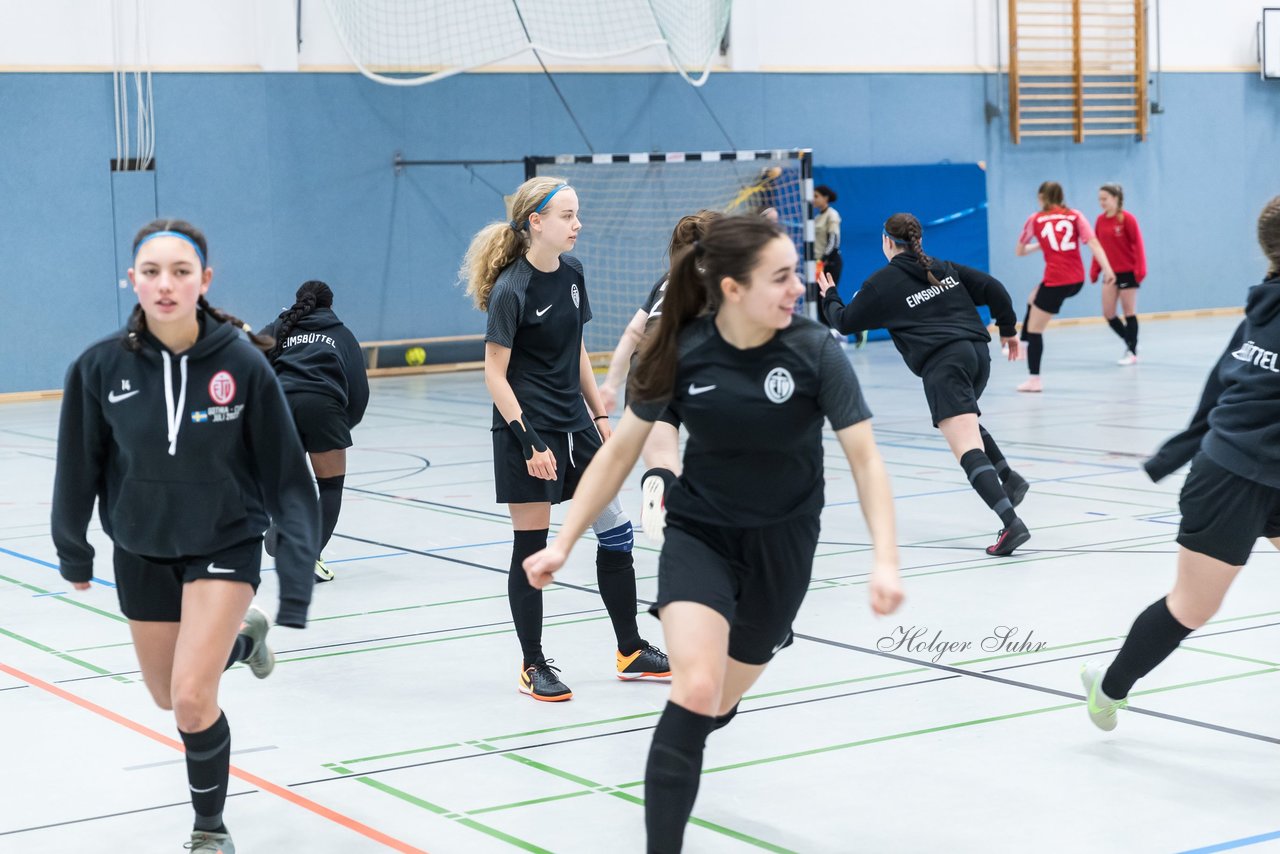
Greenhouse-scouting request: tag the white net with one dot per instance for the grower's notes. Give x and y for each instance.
(630, 203)
(409, 42)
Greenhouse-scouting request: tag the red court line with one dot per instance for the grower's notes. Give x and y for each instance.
(252, 779)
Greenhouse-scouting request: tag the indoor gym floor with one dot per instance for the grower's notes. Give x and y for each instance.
(393, 721)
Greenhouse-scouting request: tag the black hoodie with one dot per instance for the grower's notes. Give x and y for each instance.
(186, 456)
(1237, 424)
(921, 316)
(323, 357)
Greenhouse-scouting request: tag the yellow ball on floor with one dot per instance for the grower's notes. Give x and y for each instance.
(415, 355)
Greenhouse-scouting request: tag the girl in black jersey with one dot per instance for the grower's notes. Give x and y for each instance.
(661, 453)
(544, 434)
(1230, 498)
(930, 309)
(752, 383)
(173, 426)
(323, 375)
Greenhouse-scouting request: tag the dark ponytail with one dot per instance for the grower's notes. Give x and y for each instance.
(729, 248)
(137, 324)
(906, 231)
(312, 295)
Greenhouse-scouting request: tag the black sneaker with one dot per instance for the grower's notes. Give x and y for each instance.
(1009, 539)
(1016, 488)
(648, 662)
(540, 682)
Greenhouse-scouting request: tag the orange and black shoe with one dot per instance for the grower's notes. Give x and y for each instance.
(649, 662)
(540, 682)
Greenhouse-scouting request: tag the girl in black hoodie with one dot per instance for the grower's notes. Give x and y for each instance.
(1230, 498)
(172, 426)
(930, 309)
(323, 375)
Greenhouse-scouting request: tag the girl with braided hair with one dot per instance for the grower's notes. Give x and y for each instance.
(1231, 496)
(548, 418)
(929, 307)
(322, 372)
(176, 435)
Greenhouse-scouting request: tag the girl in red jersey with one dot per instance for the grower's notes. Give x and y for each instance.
(1058, 231)
(1117, 231)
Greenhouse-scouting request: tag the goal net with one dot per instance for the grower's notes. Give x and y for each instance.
(629, 203)
(410, 42)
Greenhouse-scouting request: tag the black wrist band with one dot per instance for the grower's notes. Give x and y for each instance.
(598, 417)
(530, 441)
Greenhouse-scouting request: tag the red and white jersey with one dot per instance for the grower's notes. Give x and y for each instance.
(1060, 232)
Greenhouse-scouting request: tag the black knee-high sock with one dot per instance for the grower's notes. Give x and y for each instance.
(722, 721)
(330, 505)
(525, 599)
(1117, 326)
(239, 650)
(208, 767)
(1026, 318)
(671, 778)
(995, 454)
(1131, 332)
(983, 478)
(1153, 638)
(616, 575)
(1035, 350)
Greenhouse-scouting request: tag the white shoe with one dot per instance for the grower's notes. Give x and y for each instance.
(1102, 709)
(1129, 358)
(653, 509)
(323, 572)
(261, 660)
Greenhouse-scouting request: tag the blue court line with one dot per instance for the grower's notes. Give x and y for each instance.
(1235, 843)
(50, 565)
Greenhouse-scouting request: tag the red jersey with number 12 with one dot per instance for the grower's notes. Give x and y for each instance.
(1060, 232)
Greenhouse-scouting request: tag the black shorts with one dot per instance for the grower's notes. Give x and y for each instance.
(514, 484)
(755, 578)
(321, 421)
(1124, 281)
(954, 378)
(833, 265)
(1050, 299)
(1223, 514)
(151, 588)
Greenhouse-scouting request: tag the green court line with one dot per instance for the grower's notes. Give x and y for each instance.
(441, 811)
(100, 646)
(63, 597)
(962, 724)
(68, 658)
(1230, 655)
(532, 803)
(802, 689)
(594, 788)
(416, 607)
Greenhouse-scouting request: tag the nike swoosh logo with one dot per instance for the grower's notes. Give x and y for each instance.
(543, 311)
(201, 791)
(116, 398)
(221, 569)
(694, 389)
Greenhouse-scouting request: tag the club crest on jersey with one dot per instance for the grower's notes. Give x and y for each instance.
(222, 388)
(574, 293)
(779, 385)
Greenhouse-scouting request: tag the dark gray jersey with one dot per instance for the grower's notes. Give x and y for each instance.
(754, 455)
(539, 317)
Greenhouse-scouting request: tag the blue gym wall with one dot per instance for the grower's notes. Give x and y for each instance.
(291, 177)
